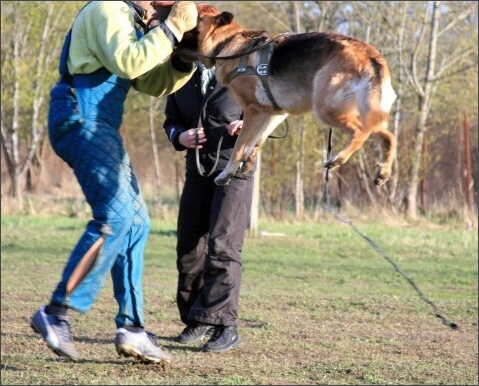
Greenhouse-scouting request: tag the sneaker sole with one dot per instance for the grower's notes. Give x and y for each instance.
(128, 351)
(230, 347)
(55, 350)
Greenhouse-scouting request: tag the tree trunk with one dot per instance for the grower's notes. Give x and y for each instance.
(154, 106)
(364, 177)
(424, 186)
(25, 89)
(299, 186)
(35, 168)
(393, 185)
(14, 170)
(426, 93)
(468, 181)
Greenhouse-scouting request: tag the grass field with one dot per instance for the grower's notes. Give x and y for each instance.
(318, 306)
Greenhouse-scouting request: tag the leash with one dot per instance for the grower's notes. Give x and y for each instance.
(186, 51)
(281, 136)
(199, 166)
(445, 321)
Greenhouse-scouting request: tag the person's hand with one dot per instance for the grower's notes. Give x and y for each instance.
(235, 127)
(183, 17)
(192, 138)
(162, 9)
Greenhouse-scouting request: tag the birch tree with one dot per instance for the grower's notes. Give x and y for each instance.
(29, 56)
(440, 63)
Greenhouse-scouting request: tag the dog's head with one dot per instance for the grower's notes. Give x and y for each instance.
(213, 27)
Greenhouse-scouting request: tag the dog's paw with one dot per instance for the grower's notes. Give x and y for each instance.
(333, 163)
(247, 166)
(382, 175)
(378, 181)
(221, 180)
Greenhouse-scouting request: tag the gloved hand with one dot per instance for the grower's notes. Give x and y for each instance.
(162, 10)
(182, 18)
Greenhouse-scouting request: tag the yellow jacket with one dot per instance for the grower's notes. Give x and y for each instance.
(104, 35)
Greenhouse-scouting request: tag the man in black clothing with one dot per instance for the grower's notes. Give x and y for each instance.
(212, 220)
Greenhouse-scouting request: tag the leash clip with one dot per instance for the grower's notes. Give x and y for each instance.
(262, 69)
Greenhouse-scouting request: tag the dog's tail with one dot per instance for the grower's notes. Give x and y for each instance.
(375, 89)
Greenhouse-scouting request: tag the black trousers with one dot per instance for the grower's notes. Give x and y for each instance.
(212, 221)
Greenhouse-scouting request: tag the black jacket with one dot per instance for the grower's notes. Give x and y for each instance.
(188, 108)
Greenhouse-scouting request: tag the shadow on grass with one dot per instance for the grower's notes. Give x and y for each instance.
(10, 368)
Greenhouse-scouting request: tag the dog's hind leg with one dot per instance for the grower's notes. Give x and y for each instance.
(351, 123)
(257, 125)
(390, 145)
(375, 122)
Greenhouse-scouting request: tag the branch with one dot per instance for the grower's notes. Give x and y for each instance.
(459, 18)
(414, 76)
(456, 72)
(38, 99)
(455, 59)
(268, 12)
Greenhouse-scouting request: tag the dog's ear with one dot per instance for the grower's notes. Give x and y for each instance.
(224, 18)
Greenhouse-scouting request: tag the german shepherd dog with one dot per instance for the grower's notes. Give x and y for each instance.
(345, 81)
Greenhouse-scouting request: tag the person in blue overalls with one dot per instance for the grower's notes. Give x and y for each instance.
(109, 52)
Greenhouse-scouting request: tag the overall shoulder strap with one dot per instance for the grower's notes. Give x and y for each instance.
(138, 14)
(62, 67)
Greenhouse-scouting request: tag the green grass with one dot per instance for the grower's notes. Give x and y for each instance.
(318, 306)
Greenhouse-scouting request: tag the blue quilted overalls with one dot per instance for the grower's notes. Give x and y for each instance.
(84, 119)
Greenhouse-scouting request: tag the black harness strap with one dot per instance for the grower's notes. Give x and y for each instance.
(261, 70)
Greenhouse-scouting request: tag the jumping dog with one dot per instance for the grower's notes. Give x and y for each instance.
(345, 81)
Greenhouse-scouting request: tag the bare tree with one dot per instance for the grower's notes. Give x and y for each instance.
(426, 84)
(31, 47)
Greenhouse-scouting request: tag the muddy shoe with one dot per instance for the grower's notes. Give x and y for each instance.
(141, 345)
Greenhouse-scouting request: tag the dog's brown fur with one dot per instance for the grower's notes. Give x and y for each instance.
(344, 80)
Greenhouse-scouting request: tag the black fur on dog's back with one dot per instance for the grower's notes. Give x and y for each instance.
(296, 54)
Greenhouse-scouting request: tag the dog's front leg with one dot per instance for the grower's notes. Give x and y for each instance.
(272, 125)
(233, 164)
(257, 125)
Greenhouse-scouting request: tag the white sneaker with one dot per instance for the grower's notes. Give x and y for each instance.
(56, 332)
(140, 344)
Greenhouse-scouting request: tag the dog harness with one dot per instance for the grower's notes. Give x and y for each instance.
(261, 70)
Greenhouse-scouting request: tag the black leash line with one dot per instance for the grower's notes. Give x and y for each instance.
(444, 320)
(186, 51)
